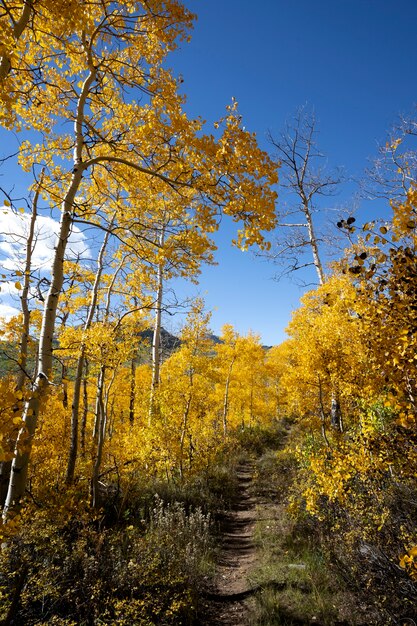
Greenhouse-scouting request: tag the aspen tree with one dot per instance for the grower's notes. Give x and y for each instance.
(72, 457)
(156, 335)
(101, 405)
(185, 394)
(93, 66)
(181, 249)
(227, 353)
(22, 375)
(298, 243)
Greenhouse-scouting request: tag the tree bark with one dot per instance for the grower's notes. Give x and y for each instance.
(19, 27)
(72, 456)
(19, 470)
(132, 394)
(226, 397)
(85, 409)
(336, 413)
(100, 420)
(313, 239)
(156, 340)
(6, 466)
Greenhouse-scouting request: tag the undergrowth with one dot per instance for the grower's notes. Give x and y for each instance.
(323, 569)
(143, 560)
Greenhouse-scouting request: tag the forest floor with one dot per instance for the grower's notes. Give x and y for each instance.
(228, 597)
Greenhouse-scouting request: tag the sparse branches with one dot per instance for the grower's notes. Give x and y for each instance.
(394, 170)
(305, 175)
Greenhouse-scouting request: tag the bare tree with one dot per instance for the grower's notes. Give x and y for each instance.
(299, 239)
(300, 236)
(395, 168)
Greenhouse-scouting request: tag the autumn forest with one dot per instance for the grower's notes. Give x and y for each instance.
(122, 454)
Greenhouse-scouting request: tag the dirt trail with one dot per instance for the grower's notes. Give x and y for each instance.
(226, 600)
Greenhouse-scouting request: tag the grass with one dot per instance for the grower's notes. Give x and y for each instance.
(294, 582)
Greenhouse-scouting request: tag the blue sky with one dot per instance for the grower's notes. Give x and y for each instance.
(354, 61)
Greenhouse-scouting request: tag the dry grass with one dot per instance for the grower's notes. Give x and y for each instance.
(296, 585)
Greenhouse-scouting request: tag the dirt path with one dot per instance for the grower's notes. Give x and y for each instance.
(226, 600)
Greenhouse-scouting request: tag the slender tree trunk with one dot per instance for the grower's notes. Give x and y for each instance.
(20, 463)
(99, 434)
(5, 466)
(73, 451)
(322, 415)
(102, 402)
(190, 453)
(184, 429)
(110, 419)
(64, 372)
(72, 455)
(100, 420)
(336, 413)
(251, 403)
(109, 413)
(23, 356)
(132, 395)
(19, 471)
(313, 239)
(226, 397)
(85, 410)
(156, 340)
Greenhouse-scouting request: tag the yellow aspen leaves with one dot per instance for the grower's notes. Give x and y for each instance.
(409, 562)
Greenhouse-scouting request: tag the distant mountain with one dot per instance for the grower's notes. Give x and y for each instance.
(169, 342)
(215, 339)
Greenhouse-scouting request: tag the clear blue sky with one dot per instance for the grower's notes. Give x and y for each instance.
(354, 61)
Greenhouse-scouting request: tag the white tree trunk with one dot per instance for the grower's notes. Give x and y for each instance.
(313, 240)
(19, 471)
(100, 419)
(20, 463)
(156, 340)
(73, 451)
(5, 467)
(226, 396)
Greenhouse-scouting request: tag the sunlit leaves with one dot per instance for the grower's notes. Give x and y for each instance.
(409, 562)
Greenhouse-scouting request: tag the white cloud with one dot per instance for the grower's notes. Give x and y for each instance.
(7, 312)
(14, 229)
